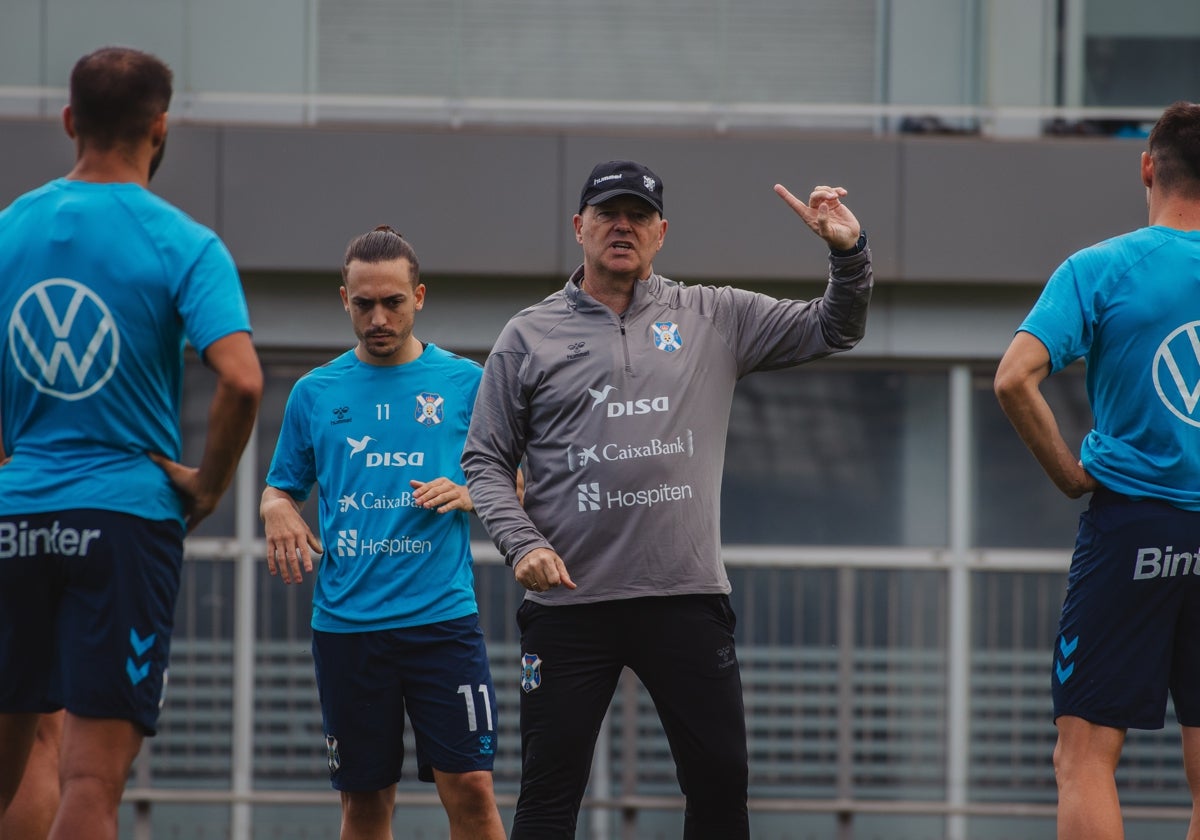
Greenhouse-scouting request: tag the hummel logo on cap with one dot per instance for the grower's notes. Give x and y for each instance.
(622, 177)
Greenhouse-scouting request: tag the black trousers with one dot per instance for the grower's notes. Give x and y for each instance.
(681, 648)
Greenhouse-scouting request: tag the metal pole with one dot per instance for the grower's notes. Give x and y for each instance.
(845, 690)
(246, 491)
(958, 677)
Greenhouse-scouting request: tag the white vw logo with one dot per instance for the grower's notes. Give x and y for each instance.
(1182, 370)
(82, 335)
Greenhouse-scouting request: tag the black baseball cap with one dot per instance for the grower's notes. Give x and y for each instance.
(622, 177)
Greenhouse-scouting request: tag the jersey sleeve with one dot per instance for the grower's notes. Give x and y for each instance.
(1063, 318)
(495, 445)
(293, 466)
(211, 300)
(765, 333)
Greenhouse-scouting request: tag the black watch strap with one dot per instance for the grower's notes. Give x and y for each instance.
(857, 249)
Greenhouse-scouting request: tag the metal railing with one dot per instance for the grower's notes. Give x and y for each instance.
(845, 720)
(574, 114)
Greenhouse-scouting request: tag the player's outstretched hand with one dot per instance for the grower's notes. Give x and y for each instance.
(442, 495)
(290, 542)
(542, 569)
(825, 215)
(198, 502)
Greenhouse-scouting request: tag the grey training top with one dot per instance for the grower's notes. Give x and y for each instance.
(620, 421)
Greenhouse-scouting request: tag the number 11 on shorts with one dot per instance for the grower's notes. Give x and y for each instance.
(472, 720)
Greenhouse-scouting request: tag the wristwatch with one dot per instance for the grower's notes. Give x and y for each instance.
(857, 249)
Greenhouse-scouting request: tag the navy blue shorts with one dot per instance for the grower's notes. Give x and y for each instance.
(1130, 622)
(87, 605)
(438, 672)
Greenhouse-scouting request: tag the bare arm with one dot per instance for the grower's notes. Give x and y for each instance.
(1018, 388)
(290, 542)
(230, 421)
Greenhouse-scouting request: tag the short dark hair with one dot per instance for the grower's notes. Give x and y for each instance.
(382, 244)
(1174, 146)
(116, 93)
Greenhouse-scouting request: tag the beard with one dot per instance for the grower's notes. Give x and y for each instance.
(381, 344)
(381, 351)
(156, 161)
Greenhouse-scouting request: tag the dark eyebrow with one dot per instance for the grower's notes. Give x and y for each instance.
(361, 300)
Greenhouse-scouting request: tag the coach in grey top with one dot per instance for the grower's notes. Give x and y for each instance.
(615, 394)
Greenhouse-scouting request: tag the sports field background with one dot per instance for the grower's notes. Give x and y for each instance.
(897, 557)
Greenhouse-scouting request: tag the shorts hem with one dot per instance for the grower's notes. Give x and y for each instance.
(425, 771)
(1110, 722)
(362, 787)
(30, 709)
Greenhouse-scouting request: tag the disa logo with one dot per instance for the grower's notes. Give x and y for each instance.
(628, 408)
(384, 459)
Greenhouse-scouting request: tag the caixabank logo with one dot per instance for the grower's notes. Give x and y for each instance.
(63, 339)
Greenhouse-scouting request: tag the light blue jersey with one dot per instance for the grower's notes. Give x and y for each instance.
(1131, 307)
(101, 285)
(361, 433)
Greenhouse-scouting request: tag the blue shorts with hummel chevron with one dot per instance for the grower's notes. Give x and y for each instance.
(1129, 631)
(87, 605)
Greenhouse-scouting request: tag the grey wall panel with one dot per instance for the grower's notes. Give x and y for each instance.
(249, 46)
(32, 153)
(469, 203)
(36, 152)
(21, 43)
(1122, 19)
(74, 29)
(621, 50)
(964, 231)
(931, 321)
(306, 312)
(498, 204)
(974, 210)
(725, 221)
(944, 322)
(918, 75)
(188, 175)
(906, 321)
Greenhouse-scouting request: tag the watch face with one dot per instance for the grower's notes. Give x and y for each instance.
(856, 247)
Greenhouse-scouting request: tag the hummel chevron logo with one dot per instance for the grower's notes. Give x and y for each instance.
(136, 675)
(140, 646)
(1063, 669)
